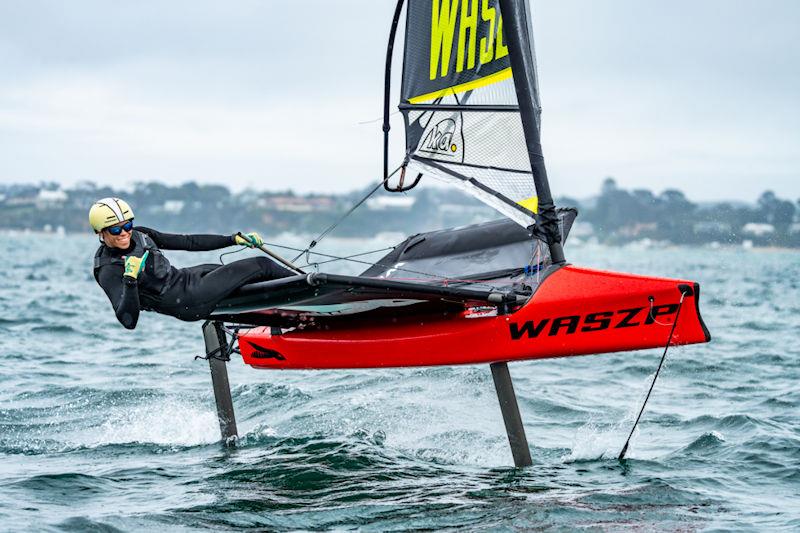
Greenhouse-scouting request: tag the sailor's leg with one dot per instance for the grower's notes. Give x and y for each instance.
(216, 346)
(511, 416)
(204, 290)
(225, 279)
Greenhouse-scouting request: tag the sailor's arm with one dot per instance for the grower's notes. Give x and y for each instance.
(191, 243)
(123, 293)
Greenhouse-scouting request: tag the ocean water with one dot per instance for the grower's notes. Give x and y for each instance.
(103, 429)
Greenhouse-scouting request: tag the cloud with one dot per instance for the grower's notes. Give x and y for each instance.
(700, 96)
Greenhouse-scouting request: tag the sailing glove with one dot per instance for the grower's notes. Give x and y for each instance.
(134, 265)
(251, 240)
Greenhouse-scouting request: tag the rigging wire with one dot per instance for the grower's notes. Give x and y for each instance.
(368, 263)
(655, 377)
(373, 121)
(307, 251)
(349, 212)
(347, 257)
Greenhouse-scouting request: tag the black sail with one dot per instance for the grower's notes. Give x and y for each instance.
(460, 106)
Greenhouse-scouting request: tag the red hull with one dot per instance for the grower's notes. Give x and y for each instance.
(575, 311)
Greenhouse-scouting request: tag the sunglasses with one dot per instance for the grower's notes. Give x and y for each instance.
(116, 230)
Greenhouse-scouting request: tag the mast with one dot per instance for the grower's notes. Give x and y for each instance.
(515, 33)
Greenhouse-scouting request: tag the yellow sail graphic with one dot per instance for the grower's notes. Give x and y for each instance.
(531, 204)
(463, 87)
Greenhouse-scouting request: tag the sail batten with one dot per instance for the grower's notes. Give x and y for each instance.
(470, 165)
(466, 107)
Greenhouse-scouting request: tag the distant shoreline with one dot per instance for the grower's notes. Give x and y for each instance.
(615, 217)
(12, 232)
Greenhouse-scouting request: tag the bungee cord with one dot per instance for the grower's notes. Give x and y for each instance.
(223, 254)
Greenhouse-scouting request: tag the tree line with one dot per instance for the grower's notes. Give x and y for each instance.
(619, 215)
(616, 215)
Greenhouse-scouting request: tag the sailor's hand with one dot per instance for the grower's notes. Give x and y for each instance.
(134, 265)
(251, 240)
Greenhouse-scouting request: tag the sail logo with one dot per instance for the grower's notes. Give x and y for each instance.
(441, 139)
(475, 18)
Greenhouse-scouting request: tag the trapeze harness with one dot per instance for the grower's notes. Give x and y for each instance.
(187, 293)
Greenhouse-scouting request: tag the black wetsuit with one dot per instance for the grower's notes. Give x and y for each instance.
(185, 293)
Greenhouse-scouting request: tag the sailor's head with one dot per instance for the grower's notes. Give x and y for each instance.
(112, 220)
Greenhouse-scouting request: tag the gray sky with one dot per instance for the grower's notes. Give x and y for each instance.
(702, 95)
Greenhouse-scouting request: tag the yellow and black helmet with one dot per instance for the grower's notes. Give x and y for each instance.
(107, 212)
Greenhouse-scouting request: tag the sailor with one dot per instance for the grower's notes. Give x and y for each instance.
(135, 275)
